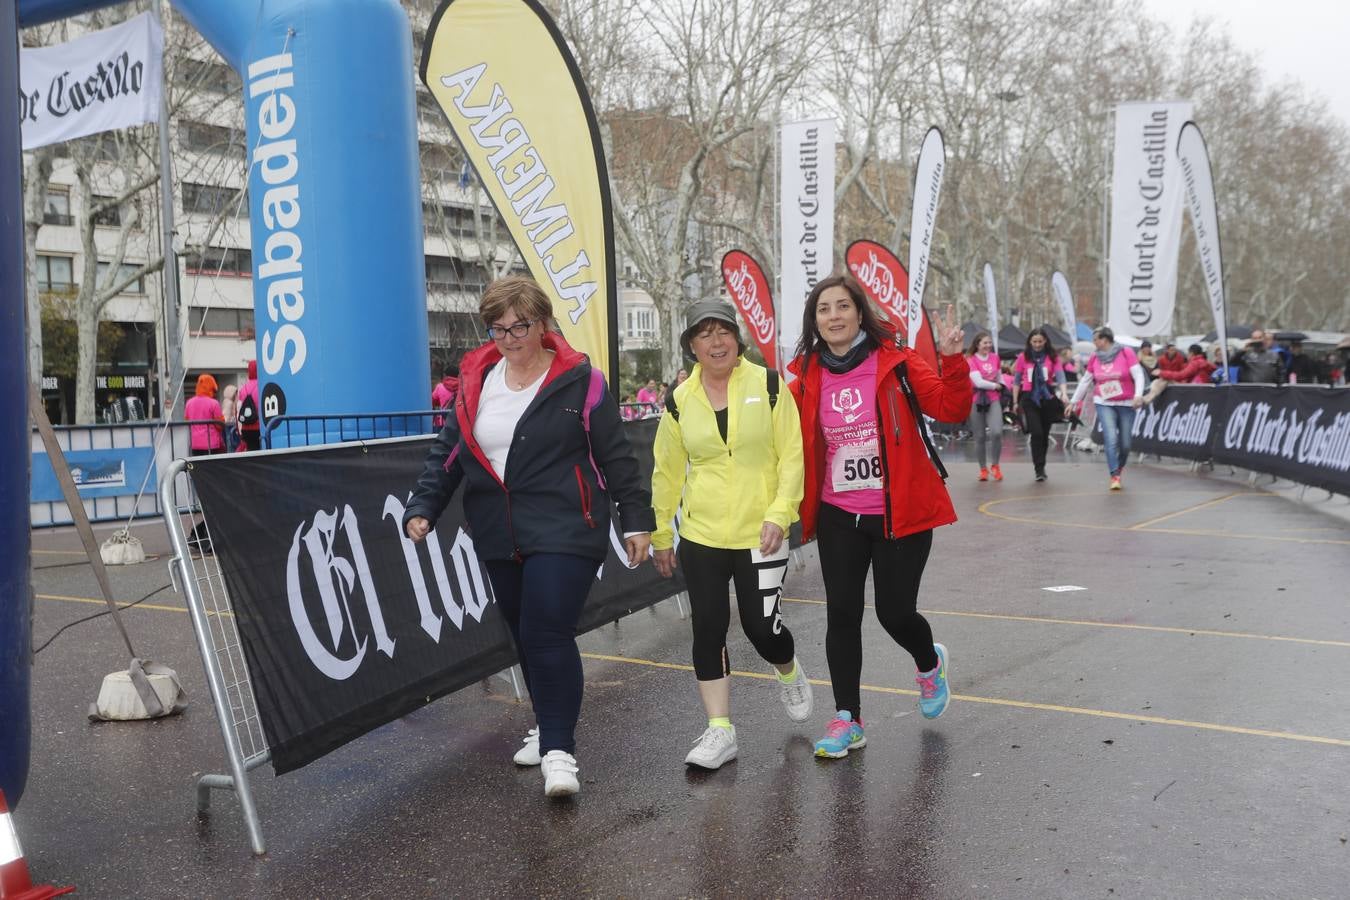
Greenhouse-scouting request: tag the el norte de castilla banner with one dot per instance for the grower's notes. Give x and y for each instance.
(1299, 433)
(102, 81)
(511, 90)
(1146, 210)
(806, 201)
(345, 623)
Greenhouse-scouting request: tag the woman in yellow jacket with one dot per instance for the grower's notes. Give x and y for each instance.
(729, 456)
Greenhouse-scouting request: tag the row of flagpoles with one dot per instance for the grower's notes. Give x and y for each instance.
(806, 222)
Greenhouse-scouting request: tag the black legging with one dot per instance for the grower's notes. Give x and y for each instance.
(1038, 426)
(848, 545)
(759, 590)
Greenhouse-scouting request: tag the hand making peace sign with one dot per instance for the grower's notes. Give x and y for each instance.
(949, 333)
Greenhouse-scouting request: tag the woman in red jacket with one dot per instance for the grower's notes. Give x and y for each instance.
(873, 485)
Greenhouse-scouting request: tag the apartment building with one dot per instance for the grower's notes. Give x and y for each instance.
(465, 242)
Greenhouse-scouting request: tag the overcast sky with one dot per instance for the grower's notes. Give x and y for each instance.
(1302, 39)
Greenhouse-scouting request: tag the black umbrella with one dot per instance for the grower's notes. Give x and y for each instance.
(1242, 332)
(1290, 336)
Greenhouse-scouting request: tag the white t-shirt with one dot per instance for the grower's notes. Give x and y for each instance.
(499, 411)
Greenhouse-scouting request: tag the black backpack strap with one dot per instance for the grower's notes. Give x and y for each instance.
(773, 387)
(671, 407)
(902, 373)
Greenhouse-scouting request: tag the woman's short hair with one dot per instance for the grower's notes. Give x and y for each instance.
(515, 292)
(1101, 331)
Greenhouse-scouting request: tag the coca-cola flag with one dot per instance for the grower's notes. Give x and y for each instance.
(882, 277)
(749, 291)
(885, 282)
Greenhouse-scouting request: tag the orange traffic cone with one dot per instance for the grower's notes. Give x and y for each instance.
(15, 884)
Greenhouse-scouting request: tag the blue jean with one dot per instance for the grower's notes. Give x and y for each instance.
(542, 598)
(1117, 423)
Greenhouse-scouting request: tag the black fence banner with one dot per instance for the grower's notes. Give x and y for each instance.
(1180, 422)
(346, 624)
(1298, 433)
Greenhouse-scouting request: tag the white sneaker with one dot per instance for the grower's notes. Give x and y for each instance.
(560, 774)
(714, 747)
(529, 754)
(796, 695)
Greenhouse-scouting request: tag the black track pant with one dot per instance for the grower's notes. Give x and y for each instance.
(759, 590)
(849, 545)
(1038, 426)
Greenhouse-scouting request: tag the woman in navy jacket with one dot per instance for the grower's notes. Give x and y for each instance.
(540, 449)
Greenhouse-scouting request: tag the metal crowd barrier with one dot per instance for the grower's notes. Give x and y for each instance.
(127, 499)
(199, 580)
(197, 576)
(337, 428)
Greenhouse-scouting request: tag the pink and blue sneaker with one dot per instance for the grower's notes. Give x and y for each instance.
(933, 693)
(841, 735)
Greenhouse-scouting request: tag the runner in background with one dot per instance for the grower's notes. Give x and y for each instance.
(729, 455)
(986, 416)
(874, 487)
(1038, 393)
(1116, 380)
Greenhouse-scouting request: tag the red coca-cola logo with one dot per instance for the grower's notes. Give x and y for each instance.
(744, 287)
(881, 275)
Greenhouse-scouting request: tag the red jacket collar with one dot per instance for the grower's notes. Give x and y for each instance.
(473, 368)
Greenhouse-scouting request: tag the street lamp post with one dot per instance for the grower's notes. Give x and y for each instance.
(1004, 98)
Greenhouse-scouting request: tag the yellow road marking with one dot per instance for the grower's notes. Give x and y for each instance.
(1190, 509)
(1016, 704)
(986, 507)
(1170, 629)
(876, 689)
(928, 612)
(120, 605)
(60, 552)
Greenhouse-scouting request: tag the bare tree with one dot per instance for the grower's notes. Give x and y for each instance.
(700, 77)
(37, 172)
(123, 183)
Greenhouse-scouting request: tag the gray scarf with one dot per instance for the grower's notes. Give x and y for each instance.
(1106, 356)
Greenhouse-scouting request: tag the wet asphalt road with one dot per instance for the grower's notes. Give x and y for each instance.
(1178, 729)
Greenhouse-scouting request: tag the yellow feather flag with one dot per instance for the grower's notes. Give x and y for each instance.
(511, 90)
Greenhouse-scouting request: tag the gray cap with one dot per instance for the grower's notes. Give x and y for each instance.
(702, 311)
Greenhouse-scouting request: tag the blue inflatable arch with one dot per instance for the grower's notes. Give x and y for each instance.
(336, 218)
